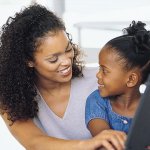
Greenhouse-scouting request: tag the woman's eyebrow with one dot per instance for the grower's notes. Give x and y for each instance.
(57, 54)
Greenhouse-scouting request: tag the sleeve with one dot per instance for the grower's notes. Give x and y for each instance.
(95, 108)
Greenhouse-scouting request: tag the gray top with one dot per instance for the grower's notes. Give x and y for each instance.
(72, 125)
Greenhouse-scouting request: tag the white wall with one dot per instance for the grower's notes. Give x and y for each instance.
(7, 141)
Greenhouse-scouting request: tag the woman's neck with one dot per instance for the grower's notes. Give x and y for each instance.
(52, 87)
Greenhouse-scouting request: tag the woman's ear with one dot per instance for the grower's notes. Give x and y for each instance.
(30, 64)
(133, 79)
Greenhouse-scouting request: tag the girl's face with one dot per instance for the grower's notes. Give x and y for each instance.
(53, 58)
(112, 77)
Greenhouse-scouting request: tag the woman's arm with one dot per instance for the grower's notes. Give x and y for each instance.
(100, 126)
(32, 138)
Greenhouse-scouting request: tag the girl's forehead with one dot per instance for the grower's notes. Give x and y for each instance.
(110, 57)
(108, 51)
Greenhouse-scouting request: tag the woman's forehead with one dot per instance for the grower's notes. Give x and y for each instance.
(54, 42)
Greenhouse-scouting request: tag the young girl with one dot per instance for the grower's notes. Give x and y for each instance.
(124, 65)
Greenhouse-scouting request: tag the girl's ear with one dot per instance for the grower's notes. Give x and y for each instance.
(133, 79)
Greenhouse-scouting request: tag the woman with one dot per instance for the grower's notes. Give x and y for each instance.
(43, 85)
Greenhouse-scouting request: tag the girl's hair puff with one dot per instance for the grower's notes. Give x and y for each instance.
(134, 48)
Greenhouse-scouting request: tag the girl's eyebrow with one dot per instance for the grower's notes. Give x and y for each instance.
(103, 67)
(57, 54)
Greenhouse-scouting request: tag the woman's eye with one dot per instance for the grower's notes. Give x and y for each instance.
(53, 60)
(69, 49)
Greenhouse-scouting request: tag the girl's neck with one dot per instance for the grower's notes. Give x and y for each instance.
(126, 100)
(126, 105)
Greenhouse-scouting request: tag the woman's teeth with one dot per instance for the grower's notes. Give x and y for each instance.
(64, 71)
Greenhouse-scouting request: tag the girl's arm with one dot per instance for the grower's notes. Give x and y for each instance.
(32, 138)
(97, 125)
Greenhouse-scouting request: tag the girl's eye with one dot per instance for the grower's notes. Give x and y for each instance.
(104, 71)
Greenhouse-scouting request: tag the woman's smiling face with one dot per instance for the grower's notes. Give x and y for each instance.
(53, 58)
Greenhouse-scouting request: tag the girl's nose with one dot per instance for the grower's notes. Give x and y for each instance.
(98, 75)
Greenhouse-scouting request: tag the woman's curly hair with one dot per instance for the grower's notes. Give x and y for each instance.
(17, 46)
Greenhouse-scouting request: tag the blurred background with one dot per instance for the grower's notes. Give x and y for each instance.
(91, 23)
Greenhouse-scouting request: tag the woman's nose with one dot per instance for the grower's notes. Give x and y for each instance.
(64, 60)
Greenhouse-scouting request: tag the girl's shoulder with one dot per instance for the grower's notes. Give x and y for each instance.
(95, 98)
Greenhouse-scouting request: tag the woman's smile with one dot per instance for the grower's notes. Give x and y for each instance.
(65, 71)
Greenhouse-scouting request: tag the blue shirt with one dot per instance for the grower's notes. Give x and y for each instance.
(98, 107)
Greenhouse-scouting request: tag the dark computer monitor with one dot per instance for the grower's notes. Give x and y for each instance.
(139, 133)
